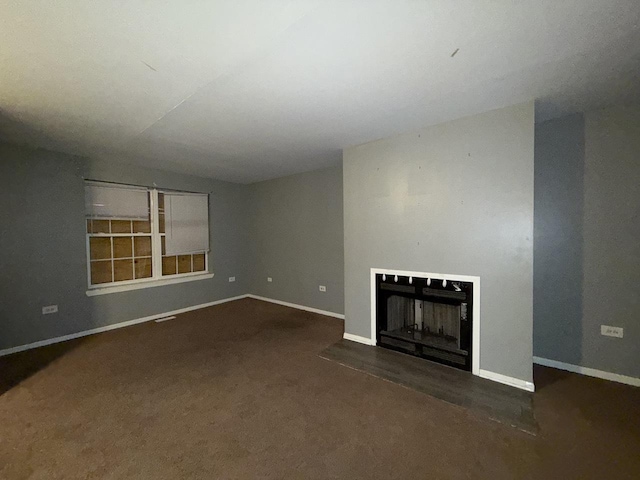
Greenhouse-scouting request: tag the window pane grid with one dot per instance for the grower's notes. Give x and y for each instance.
(112, 275)
(117, 258)
(120, 258)
(118, 226)
(109, 235)
(182, 264)
(120, 249)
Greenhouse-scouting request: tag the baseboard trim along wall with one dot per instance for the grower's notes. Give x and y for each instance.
(504, 379)
(497, 377)
(299, 307)
(358, 338)
(128, 323)
(591, 372)
(163, 315)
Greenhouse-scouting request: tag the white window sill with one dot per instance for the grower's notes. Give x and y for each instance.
(147, 284)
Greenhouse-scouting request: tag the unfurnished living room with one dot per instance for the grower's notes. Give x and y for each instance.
(320, 240)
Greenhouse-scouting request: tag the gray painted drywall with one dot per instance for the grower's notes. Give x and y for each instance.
(453, 198)
(611, 272)
(297, 239)
(558, 241)
(42, 246)
(587, 226)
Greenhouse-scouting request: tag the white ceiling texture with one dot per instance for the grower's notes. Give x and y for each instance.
(246, 90)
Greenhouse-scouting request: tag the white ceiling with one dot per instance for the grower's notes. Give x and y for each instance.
(246, 90)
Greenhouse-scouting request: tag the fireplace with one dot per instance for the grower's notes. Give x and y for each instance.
(426, 317)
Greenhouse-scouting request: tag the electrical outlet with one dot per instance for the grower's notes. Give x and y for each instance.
(49, 309)
(269, 279)
(323, 288)
(232, 279)
(609, 331)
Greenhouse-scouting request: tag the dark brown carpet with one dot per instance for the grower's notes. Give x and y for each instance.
(239, 391)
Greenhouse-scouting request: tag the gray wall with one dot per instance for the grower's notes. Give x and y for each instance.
(42, 246)
(453, 198)
(587, 239)
(297, 239)
(612, 239)
(558, 244)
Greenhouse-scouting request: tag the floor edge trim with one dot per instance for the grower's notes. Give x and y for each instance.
(295, 305)
(506, 380)
(590, 372)
(357, 338)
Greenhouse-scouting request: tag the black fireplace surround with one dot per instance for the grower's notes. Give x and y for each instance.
(429, 318)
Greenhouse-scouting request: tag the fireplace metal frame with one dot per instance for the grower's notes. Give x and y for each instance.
(475, 280)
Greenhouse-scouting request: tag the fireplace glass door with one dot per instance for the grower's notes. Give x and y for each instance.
(430, 321)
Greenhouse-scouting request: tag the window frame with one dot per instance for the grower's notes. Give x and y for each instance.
(157, 278)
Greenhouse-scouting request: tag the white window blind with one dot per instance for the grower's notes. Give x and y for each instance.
(114, 201)
(187, 223)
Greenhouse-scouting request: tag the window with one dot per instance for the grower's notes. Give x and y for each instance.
(137, 235)
(184, 232)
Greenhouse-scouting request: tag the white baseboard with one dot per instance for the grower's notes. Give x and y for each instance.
(358, 338)
(512, 382)
(591, 372)
(64, 338)
(128, 323)
(299, 307)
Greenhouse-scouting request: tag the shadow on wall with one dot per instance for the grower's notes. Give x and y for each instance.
(559, 241)
(15, 131)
